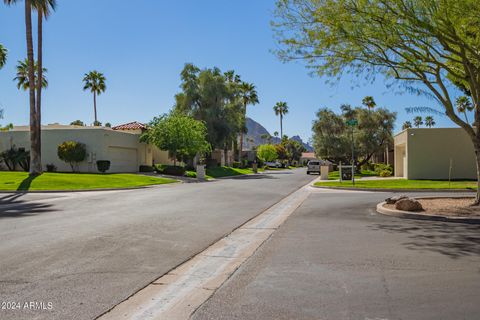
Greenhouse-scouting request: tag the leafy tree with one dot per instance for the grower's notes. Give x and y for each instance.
(267, 152)
(179, 134)
(77, 123)
(406, 125)
(369, 102)
(332, 137)
(3, 55)
(424, 45)
(282, 153)
(429, 122)
(294, 149)
(212, 97)
(275, 134)
(417, 121)
(95, 82)
(72, 152)
(281, 109)
(22, 75)
(464, 104)
(108, 125)
(248, 95)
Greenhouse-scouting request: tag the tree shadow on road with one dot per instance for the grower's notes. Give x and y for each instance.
(454, 240)
(13, 206)
(253, 177)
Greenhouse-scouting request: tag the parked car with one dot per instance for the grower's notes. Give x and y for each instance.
(273, 164)
(313, 166)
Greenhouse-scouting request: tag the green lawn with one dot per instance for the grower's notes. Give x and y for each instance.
(335, 175)
(401, 184)
(221, 172)
(20, 181)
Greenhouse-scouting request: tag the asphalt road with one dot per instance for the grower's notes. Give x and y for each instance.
(335, 258)
(86, 252)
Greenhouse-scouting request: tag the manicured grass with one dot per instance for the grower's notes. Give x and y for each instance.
(401, 184)
(20, 181)
(220, 172)
(335, 175)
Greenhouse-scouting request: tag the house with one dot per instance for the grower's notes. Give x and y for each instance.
(120, 145)
(307, 156)
(434, 153)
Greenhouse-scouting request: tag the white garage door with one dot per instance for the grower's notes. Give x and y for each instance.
(123, 159)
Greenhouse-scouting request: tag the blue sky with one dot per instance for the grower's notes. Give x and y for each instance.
(141, 48)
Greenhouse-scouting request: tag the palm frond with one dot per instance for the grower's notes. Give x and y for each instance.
(428, 110)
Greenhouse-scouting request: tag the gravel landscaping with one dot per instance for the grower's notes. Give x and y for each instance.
(453, 207)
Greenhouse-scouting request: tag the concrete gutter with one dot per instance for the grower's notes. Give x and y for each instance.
(420, 216)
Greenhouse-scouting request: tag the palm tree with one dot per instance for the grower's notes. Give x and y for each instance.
(281, 109)
(369, 102)
(95, 82)
(248, 95)
(406, 125)
(22, 75)
(275, 134)
(463, 105)
(417, 121)
(429, 122)
(35, 144)
(3, 56)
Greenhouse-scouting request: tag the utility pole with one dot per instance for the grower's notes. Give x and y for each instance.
(352, 123)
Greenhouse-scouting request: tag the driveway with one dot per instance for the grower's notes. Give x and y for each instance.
(336, 258)
(77, 255)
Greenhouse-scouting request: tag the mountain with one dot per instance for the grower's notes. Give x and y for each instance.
(255, 133)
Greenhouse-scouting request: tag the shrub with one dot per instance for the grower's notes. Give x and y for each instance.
(368, 167)
(379, 167)
(146, 169)
(267, 152)
(385, 173)
(51, 167)
(191, 174)
(174, 170)
(212, 163)
(72, 152)
(236, 164)
(13, 157)
(103, 165)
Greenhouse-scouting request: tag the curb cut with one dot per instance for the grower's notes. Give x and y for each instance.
(396, 190)
(418, 216)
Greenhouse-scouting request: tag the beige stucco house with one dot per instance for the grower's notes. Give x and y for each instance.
(428, 153)
(121, 145)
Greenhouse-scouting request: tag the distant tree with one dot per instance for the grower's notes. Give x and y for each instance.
(179, 134)
(275, 134)
(417, 121)
(3, 56)
(265, 137)
(72, 152)
(369, 102)
(267, 152)
(429, 122)
(108, 125)
(406, 125)
(22, 75)
(77, 123)
(281, 152)
(281, 109)
(95, 82)
(464, 104)
(248, 95)
(294, 149)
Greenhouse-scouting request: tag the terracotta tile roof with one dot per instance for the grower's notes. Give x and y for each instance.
(308, 155)
(131, 126)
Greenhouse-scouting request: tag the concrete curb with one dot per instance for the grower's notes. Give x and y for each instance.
(396, 190)
(419, 216)
(88, 190)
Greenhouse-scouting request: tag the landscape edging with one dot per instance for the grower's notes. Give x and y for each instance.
(395, 190)
(418, 216)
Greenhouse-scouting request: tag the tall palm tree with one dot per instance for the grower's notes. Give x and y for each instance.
(406, 125)
(3, 56)
(22, 75)
(35, 156)
(248, 95)
(95, 82)
(275, 134)
(281, 109)
(429, 122)
(369, 102)
(463, 105)
(417, 121)
(44, 9)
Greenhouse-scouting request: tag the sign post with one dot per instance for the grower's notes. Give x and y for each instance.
(352, 123)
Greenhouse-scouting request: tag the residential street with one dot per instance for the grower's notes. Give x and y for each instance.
(86, 252)
(335, 258)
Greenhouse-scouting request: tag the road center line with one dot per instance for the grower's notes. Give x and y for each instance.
(177, 294)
